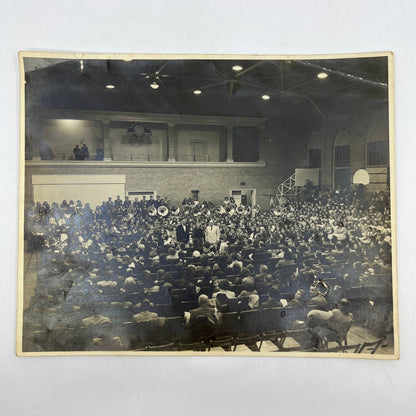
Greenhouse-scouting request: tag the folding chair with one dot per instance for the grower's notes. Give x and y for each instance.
(271, 319)
(277, 338)
(249, 341)
(165, 347)
(225, 343)
(290, 315)
(339, 337)
(239, 304)
(250, 322)
(262, 288)
(229, 326)
(201, 328)
(193, 346)
(370, 347)
(173, 328)
(301, 336)
(343, 348)
(189, 305)
(165, 310)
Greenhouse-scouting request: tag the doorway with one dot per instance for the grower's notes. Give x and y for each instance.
(246, 197)
(198, 151)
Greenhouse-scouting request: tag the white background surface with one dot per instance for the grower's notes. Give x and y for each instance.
(189, 386)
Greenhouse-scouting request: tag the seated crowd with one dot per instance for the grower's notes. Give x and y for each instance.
(130, 274)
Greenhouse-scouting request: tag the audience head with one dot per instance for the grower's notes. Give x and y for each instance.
(344, 305)
(224, 284)
(313, 291)
(248, 283)
(203, 301)
(263, 268)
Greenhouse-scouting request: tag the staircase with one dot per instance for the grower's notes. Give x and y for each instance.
(288, 187)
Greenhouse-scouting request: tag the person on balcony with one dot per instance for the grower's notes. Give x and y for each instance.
(77, 152)
(85, 153)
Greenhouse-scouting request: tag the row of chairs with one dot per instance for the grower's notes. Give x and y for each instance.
(135, 335)
(369, 347)
(250, 328)
(255, 343)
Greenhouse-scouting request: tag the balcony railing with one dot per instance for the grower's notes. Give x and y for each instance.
(126, 157)
(197, 158)
(130, 157)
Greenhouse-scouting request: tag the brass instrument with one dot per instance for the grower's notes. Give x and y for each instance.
(152, 211)
(206, 212)
(163, 211)
(175, 210)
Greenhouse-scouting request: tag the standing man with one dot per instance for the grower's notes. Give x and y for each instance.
(212, 233)
(198, 237)
(182, 233)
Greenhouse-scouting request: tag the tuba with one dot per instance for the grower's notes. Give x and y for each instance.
(151, 211)
(206, 212)
(230, 210)
(175, 210)
(163, 211)
(247, 210)
(196, 211)
(241, 209)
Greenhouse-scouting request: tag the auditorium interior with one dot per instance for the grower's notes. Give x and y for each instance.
(214, 205)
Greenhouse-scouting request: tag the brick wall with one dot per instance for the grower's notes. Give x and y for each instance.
(176, 183)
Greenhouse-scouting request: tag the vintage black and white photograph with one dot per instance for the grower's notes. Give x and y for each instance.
(207, 205)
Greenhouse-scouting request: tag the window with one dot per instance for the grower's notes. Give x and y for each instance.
(342, 156)
(314, 158)
(342, 178)
(377, 153)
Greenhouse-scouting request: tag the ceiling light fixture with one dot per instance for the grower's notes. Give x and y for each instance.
(154, 85)
(197, 92)
(237, 68)
(110, 86)
(322, 75)
(265, 97)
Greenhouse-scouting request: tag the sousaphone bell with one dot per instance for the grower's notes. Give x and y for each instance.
(230, 210)
(206, 212)
(163, 211)
(152, 211)
(175, 210)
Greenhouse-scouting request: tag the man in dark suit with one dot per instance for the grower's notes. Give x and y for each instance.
(202, 321)
(182, 233)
